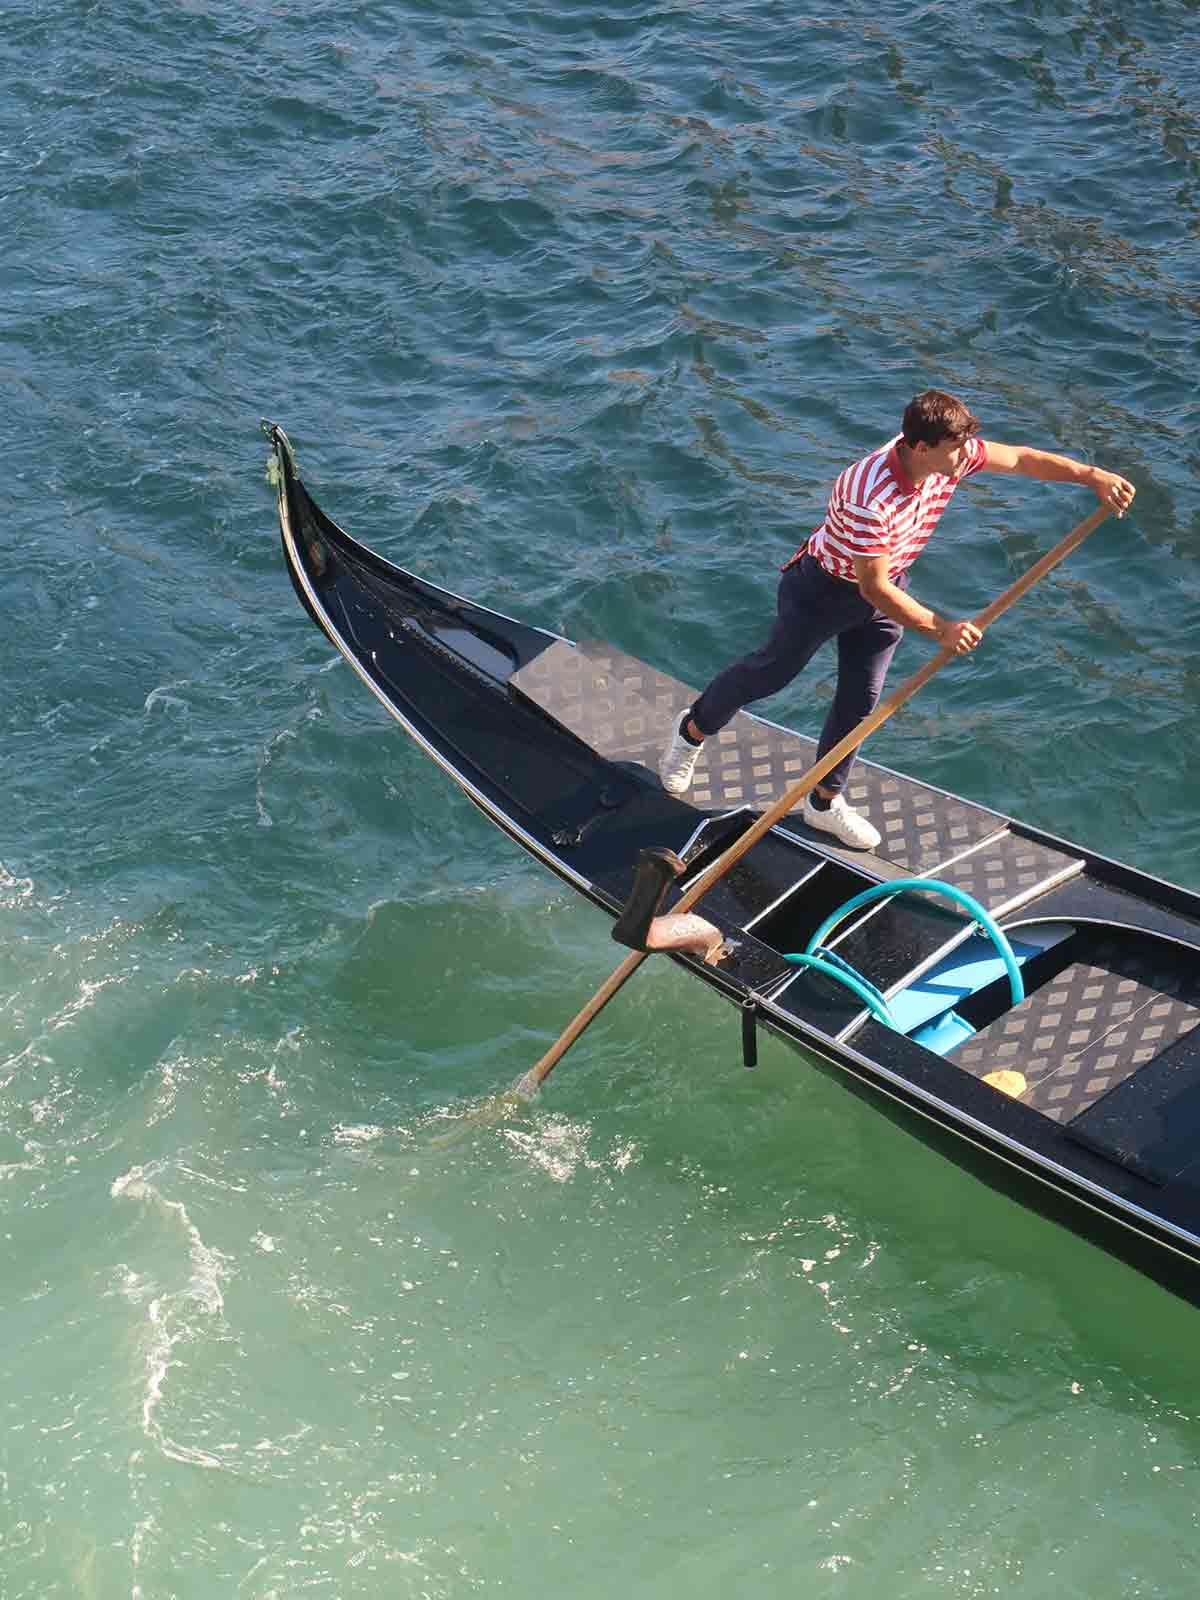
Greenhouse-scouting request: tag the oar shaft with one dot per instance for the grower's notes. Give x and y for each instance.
(544, 1067)
(803, 785)
(1040, 568)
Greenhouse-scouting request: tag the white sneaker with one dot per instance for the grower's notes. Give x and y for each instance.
(847, 825)
(678, 762)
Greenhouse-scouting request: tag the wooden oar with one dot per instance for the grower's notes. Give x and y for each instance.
(530, 1082)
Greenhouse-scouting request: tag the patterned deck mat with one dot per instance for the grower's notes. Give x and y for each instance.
(626, 711)
(1086, 1030)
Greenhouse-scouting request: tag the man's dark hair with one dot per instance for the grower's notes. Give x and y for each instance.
(934, 416)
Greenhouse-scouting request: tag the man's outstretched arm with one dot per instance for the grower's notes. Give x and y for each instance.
(1109, 487)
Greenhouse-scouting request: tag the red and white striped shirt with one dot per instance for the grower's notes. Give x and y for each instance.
(874, 510)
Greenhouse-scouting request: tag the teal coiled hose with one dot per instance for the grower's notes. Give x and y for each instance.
(833, 966)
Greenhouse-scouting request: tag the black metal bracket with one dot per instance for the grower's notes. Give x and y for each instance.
(611, 798)
(749, 1032)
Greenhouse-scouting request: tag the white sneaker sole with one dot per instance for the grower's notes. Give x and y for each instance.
(678, 765)
(828, 822)
(676, 782)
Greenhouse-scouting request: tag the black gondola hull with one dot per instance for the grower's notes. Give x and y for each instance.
(550, 741)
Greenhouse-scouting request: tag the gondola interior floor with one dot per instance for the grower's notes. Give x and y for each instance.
(625, 710)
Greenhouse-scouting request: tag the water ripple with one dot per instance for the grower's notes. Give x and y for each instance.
(577, 309)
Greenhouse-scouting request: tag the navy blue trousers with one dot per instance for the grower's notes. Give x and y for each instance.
(813, 608)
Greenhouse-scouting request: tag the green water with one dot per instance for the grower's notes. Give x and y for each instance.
(578, 311)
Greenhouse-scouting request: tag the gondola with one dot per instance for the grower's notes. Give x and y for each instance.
(1024, 1004)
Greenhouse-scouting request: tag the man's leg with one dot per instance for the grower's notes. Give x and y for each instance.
(811, 608)
(765, 671)
(864, 656)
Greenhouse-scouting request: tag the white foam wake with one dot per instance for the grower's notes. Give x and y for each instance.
(171, 1315)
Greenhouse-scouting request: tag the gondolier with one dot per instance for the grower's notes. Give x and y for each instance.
(849, 582)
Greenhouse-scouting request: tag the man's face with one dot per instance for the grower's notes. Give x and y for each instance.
(945, 457)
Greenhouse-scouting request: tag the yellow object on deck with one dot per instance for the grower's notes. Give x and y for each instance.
(1008, 1082)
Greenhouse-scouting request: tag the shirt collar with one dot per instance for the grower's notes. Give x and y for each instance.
(896, 468)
